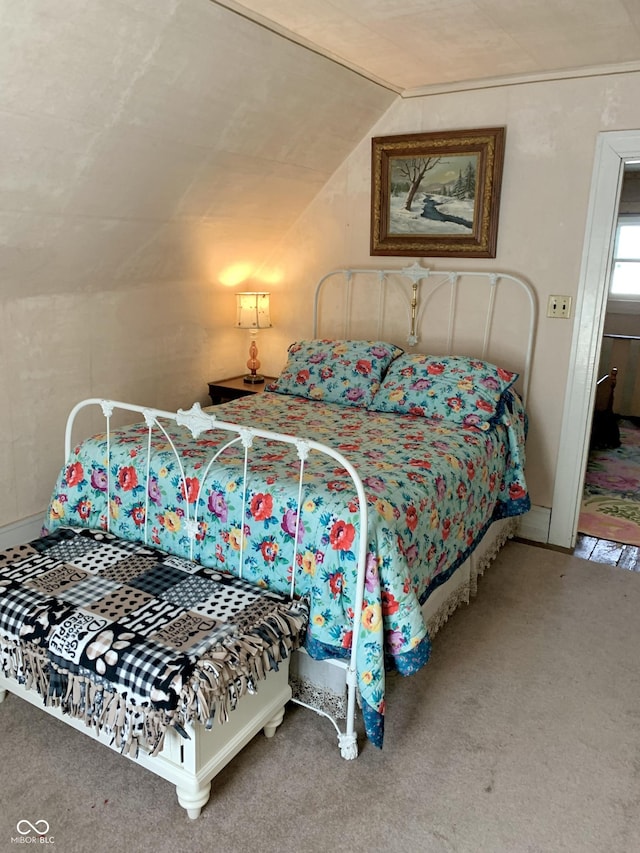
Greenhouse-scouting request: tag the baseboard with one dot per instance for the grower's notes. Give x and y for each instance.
(535, 524)
(19, 532)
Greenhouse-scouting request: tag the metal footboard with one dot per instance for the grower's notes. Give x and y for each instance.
(198, 422)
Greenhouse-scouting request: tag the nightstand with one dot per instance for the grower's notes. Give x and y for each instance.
(230, 389)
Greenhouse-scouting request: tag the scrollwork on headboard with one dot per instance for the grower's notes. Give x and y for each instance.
(459, 324)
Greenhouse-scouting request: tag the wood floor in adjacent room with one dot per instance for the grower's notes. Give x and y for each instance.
(604, 551)
(604, 467)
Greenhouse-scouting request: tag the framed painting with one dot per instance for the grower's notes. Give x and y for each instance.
(437, 194)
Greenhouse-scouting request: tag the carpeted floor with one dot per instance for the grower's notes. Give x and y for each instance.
(611, 502)
(520, 736)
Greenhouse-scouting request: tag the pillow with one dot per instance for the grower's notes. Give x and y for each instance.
(344, 372)
(454, 388)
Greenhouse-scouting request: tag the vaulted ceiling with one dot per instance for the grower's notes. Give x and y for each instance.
(412, 44)
(159, 141)
(165, 140)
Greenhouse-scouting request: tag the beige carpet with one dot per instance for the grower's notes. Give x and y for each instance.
(521, 735)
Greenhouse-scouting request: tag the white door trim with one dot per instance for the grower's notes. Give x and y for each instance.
(612, 150)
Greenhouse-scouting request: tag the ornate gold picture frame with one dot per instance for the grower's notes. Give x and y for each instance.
(437, 194)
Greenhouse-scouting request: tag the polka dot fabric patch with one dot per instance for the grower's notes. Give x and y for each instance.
(120, 602)
(225, 603)
(95, 560)
(132, 566)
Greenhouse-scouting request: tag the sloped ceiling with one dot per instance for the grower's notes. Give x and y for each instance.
(158, 141)
(418, 44)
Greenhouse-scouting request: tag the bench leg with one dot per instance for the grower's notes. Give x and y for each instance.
(3, 694)
(271, 726)
(193, 797)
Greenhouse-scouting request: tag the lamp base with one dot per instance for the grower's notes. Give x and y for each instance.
(253, 379)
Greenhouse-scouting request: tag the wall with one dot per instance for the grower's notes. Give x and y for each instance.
(552, 129)
(152, 152)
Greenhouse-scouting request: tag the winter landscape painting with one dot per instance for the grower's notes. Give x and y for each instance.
(436, 193)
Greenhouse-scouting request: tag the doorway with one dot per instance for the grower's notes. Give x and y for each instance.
(613, 150)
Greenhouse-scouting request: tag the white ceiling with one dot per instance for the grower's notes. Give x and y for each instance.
(443, 44)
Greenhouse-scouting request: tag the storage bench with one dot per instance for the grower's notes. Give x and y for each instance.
(174, 665)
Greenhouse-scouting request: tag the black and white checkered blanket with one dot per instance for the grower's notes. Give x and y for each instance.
(134, 640)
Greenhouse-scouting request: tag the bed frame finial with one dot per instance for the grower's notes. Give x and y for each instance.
(303, 449)
(149, 418)
(195, 419)
(415, 272)
(246, 437)
(192, 527)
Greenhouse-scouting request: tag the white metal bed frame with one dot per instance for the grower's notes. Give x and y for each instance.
(191, 771)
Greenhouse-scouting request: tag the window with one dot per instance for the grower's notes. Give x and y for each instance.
(625, 275)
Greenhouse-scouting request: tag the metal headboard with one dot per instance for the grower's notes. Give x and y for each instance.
(417, 287)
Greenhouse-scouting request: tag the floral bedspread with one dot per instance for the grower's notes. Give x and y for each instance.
(432, 491)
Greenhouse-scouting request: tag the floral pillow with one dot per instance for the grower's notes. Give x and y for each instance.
(453, 388)
(344, 372)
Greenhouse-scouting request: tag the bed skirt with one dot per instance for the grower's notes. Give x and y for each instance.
(321, 684)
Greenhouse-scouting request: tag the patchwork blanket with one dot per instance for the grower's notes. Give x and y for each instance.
(134, 640)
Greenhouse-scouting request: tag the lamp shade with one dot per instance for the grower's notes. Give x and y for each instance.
(253, 311)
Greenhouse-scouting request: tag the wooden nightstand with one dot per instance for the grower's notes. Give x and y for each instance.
(230, 389)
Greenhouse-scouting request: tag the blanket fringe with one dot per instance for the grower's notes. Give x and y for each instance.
(221, 676)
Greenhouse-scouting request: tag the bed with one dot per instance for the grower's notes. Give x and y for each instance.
(424, 453)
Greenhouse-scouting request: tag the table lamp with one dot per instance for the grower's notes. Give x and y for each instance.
(253, 314)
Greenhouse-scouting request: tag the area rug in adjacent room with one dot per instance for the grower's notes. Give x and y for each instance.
(611, 501)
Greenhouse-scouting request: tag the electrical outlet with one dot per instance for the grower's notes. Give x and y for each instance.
(559, 306)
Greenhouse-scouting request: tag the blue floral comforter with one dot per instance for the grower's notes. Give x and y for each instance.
(432, 490)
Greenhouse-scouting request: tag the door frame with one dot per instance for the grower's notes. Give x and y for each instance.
(613, 150)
